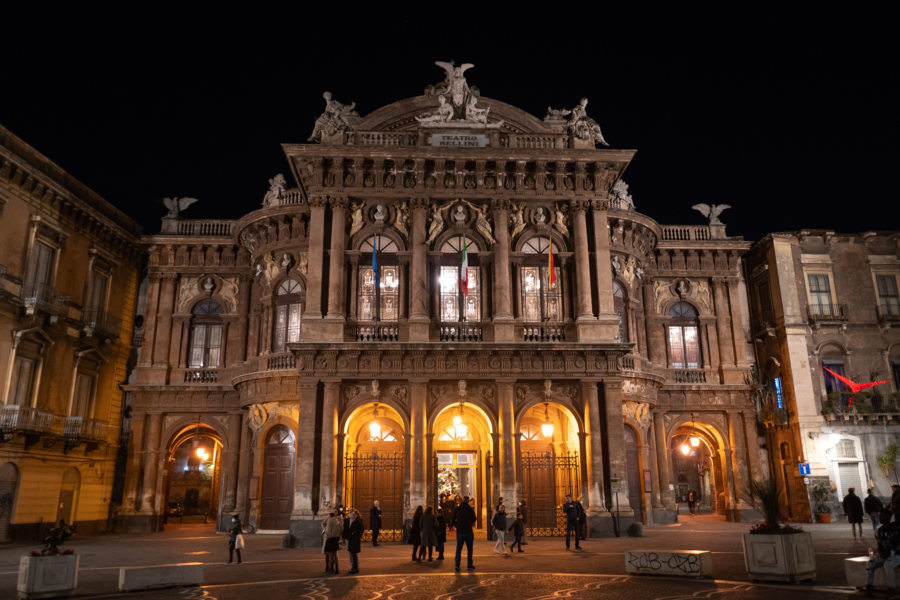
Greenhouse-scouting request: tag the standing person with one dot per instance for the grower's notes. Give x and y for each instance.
(235, 539)
(353, 532)
(499, 523)
(415, 533)
(429, 533)
(691, 499)
(873, 507)
(582, 519)
(440, 533)
(895, 502)
(888, 555)
(334, 527)
(521, 509)
(570, 509)
(375, 521)
(853, 508)
(518, 530)
(463, 520)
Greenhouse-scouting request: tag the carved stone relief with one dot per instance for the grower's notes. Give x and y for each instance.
(639, 411)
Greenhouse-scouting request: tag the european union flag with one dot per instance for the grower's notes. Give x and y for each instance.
(375, 259)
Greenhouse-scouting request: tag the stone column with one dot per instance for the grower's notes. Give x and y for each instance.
(737, 330)
(596, 502)
(315, 263)
(723, 325)
(751, 443)
(602, 259)
(243, 308)
(230, 459)
(507, 426)
(149, 340)
(738, 462)
(502, 313)
(336, 259)
(306, 449)
(615, 443)
(243, 480)
(582, 264)
(656, 342)
(418, 400)
(164, 320)
(151, 462)
(132, 496)
(330, 403)
(666, 496)
(418, 288)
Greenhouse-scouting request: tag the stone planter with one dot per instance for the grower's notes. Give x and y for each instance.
(47, 576)
(824, 517)
(787, 558)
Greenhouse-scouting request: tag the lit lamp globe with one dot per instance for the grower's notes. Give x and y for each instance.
(374, 430)
(547, 429)
(685, 449)
(695, 441)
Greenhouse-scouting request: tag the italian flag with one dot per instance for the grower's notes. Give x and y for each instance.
(551, 273)
(464, 271)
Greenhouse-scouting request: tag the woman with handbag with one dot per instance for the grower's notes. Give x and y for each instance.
(235, 539)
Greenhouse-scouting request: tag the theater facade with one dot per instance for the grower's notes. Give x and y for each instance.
(445, 296)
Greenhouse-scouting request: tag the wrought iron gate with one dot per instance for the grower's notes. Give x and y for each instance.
(378, 476)
(546, 479)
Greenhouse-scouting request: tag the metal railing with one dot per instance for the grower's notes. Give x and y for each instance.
(543, 332)
(689, 375)
(201, 376)
(686, 233)
(43, 296)
(24, 418)
(827, 312)
(101, 322)
(378, 333)
(461, 331)
(889, 311)
(82, 428)
(280, 362)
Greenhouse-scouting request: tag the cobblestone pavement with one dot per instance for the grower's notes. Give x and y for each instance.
(544, 570)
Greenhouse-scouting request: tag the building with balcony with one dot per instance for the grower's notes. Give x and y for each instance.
(821, 302)
(453, 298)
(68, 286)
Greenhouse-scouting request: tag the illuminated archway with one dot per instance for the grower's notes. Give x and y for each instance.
(697, 465)
(193, 474)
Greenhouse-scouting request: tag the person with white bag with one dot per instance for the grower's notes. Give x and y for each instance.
(235, 539)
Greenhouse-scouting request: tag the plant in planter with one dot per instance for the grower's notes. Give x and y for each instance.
(887, 462)
(50, 572)
(821, 493)
(772, 551)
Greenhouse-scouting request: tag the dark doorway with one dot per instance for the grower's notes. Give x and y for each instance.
(633, 468)
(370, 476)
(546, 479)
(277, 498)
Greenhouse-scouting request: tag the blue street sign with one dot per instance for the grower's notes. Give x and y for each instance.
(804, 468)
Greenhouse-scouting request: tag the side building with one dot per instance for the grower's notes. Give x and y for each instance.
(453, 298)
(823, 300)
(69, 274)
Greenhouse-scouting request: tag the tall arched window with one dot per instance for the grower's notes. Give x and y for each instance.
(381, 303)
(458, 301)
(206, 335)
(684, 337)
(288, 308)
(619, 306)
(540, 300)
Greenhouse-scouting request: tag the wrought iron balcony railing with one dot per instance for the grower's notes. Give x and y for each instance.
(24, 419)
(827, 312)
(889, 311)
(98, 322)
(84, 429)
(42, 296)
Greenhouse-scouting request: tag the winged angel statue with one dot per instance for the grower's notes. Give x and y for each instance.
(455, 86)
(176, 206)
(712, 211)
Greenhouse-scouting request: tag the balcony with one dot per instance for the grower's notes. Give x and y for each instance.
(99, 323)
(36, 424)
(826, 312)
(685, 233)
(201, 376)
(281, 362)
(688, 375)
(82, 429)
(461, 331)
(24, 419)
(544, 332)
(889, 311)
(866, 409)
(40, 296)
(377, 332)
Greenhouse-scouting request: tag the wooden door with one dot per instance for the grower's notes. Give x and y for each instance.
(633, 469)
(277, 498)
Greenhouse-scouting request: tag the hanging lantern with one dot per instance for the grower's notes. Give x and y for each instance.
(374, 426)
(685, 449)
(461, 429)
(547, 426)
(695, 441)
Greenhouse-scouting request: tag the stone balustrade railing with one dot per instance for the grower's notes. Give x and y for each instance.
(537, 142)
(543, 332)
(687, 375)
(462, 331)
(205, 227)
(203, 376)
(384, 138)
(281, 362)
(378, 332)
(685, 233)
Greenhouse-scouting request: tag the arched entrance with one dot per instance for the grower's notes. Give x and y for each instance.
(551, 466)
(697, 468)
(277, 495)
(9, 483)
(462, 455)
(374, 467)
(633, 473)
(68, 495)
(193, 475)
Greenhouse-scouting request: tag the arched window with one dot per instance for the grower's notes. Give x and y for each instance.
(455, 434)
(206, 335)
(288, 308)
(684, 337)
(460, 287)
(280, 435)
(619, 307)
(540, 300)
(379, 302)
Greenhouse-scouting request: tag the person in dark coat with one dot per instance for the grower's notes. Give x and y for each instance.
(517, 528)
(691, 500)
(233, 534)
(853, 508)
(887, 555)
(570, 509)
(440, 533)
(499, 523)
(895, 502)
(415, 533)
(375, 521)
(521, 509)
(463, 520)
(353, 531)
(429, 533)
(873, 507)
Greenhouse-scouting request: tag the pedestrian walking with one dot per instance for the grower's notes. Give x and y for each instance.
(440, 533)
(853, 508)
(873, 507)
(521, 509)
(429, 533)
(353, 532)
(499, 523)
(463, 519)
(570, 509)
(415, 533)
(887, 555)
(517, 528)
(375, 521)
(691, 499)
(332, 530)
(235, 539)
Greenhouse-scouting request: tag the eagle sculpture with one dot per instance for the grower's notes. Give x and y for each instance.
(712, 211)
(177, 205)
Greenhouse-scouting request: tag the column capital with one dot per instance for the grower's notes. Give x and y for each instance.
(338, 201)
(579, 205)
(318, 201)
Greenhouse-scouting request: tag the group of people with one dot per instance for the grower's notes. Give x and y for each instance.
(886, 523)
(339, 529)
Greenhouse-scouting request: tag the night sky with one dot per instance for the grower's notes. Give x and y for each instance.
(790, 117)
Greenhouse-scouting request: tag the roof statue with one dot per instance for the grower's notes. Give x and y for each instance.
(457, 101)
(456, 86)
(276, 190)
(621, 195)
(336, 118)
(582, 126)
(176, 206)
(712, 211)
